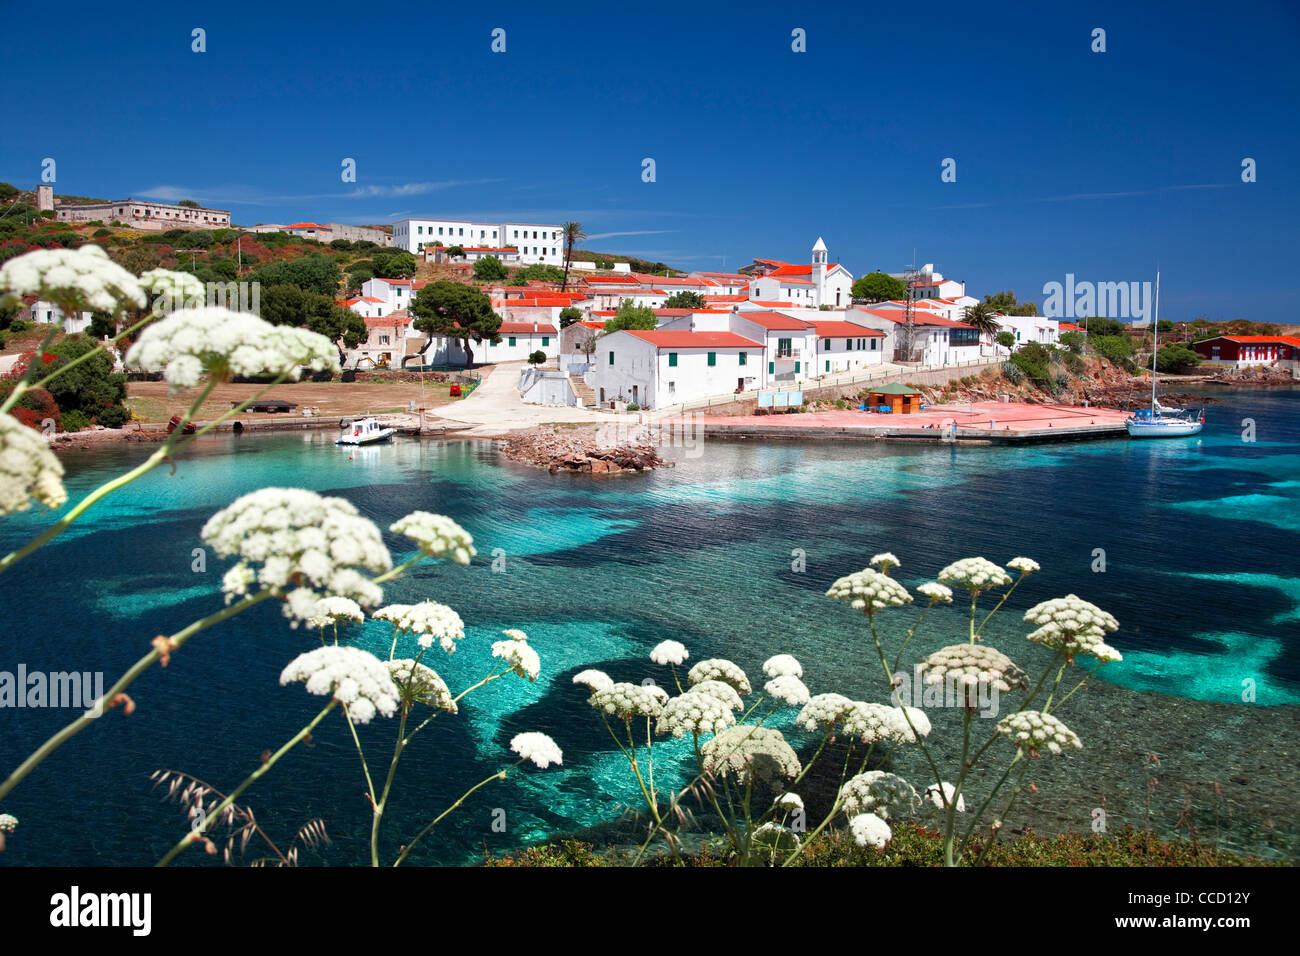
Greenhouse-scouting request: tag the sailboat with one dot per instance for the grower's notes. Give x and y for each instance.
(1161, 421)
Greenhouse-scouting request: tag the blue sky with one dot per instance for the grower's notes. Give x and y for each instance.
(1105, 165)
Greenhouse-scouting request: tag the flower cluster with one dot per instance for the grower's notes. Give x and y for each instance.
(8, 823)
(634, 700)
(750, 753)
(884, 562)
(331, 610)
(884, 794)
(790, 802)
(1024, 565)
(437, 536)
(969, 665)
(1037, 730)
(1075, 626)
(428, 620)
(696, 713)
(974, 574)
(539, 748)
(933, 794)
(669, 652)
(175, 290)
(716, 668)
(825, 710)
(936, 592)
(355, 678)
(28, 469)
(782, 665)
(871, 723)
(594, 680)
(721, 690)
(788, 689)
(517, 653)
(191, 342)
(869, 830)
(868, 591)
(77, 280)
(419, 684)
(302, 539)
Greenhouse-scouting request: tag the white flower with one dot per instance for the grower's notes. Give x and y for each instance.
(632, 700)
(782, 665)
(1024, 565)
(1075, 626)
(354, 677)
(716, 668)
(868, 591)
(594, 679)
(920, 725)
(1037, 730)
(825, 710)
(871, 722)
(694, 713)
(516, 652)
(428, 620)
(669, 652)
(77, 280)
(788, 689)
(970, 665)
(298, 537)
(28, 469)
(189, 342)
(869, 830)
(539, 748)
(884, 794)
(332, 610)
(750, 753)
(437, 535)
(883, 562)
(721, 690)
(175, 290)
(936, 592)
(8, 822)
(790, 802)
(934, 796)
(419, 684)
(974, 574)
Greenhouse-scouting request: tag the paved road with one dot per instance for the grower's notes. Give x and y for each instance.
(494, 407)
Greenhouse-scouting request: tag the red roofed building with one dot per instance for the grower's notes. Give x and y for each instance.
(659, 367)
(816, 284)
(1246, 351)
(843, 346)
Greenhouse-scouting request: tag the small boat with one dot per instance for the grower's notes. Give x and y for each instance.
(1162, 421)
(174, 423)
(365, 431)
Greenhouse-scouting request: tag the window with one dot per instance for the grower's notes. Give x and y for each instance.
(546, 340)
(462, 231)
(419, 230)
(744, 358)
(771, 368)
(672, 359)
(440, 230)
(713, 358)
(828, 365)
(512, 341)
(796, 368)
(383, 340)
(873, 345)
(848, 345)
(611, 358)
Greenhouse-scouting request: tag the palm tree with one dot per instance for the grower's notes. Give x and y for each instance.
(572, 233)
(983, 318)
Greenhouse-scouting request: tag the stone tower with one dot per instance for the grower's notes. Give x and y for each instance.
(45, 197)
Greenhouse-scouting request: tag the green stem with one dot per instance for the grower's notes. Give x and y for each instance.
(499, 775)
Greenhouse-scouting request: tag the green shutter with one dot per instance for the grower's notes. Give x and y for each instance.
(546, 340)
(771, 368)
(713, 358)
(796, 368)
(512, 341)
(672, 359)
(828, 365)
(744, 357)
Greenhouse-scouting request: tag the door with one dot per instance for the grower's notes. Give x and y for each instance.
(740, 385)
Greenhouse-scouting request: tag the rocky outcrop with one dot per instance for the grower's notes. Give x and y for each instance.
(559, 450)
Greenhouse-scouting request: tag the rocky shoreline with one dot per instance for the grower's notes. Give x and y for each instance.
(559, 450)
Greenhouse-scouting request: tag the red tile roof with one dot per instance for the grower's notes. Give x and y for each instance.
(694, 340)
(1258, 339)
(775, 321)
(526, 328)
(835, 329)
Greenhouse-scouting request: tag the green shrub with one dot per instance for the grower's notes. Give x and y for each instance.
(101, 233)
(1012, 372)
(114, 416)
(1177, 358)
(75, 420)
(633, 407)
(537, 358)
(1074, 363)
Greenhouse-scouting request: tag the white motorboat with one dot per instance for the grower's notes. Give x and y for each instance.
(365, 431)
(1161, 421)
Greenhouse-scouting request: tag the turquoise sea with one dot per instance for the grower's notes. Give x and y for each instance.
(1199, 540)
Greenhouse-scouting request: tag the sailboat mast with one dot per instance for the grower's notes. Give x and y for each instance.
(1155, 343)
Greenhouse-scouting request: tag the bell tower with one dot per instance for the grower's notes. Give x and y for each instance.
(819, 271)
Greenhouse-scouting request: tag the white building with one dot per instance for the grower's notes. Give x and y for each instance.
(145, 215)
(827, 283)
(519, 340)
(536, 243)
(844, 346)
(936, 340)
(932, 285)
(657, 368)
(47, 313)
(789, 345)
(367, 306)
(394, 293)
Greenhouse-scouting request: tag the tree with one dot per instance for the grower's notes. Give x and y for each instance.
(537, 358)
(572, 233)
(982, 317)
(685, 300)
(1005, 339)
(568, 315)
(455, 252)
(393, 264)
(537, 272)
(91, 387)
(189, 203)
(313, 273)
(291, 305)
(7, 192)
(1005, 302)
(878, 287)
(1177, 358)
(631, 316)
(1074, 341)
(456, 311)
(489, 269)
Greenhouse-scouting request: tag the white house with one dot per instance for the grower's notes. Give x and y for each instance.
(47, 313)
(828, 283)
(385, 345)
(395, 293)
(367, 306)
(519, 340)
(789, 345)
(658, 367)
(843, 346)
(936, 340)
(932, 285)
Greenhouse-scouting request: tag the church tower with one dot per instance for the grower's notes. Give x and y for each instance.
(818, 275)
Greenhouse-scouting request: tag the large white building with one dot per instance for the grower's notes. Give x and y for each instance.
(816, 284)
(658, 367)
(536, 243)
